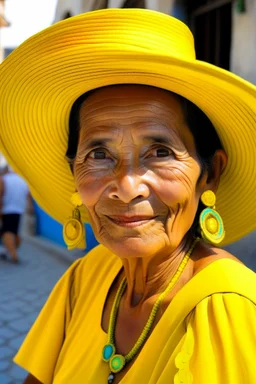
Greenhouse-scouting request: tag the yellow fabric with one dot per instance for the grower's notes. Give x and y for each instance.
(224, 333)
(206, 335)
(43, 77)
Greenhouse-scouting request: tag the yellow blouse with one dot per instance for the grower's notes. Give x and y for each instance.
(206, 335)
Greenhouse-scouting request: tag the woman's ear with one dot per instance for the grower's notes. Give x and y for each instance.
(219, 162)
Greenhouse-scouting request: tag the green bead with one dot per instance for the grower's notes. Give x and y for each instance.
(117, 362)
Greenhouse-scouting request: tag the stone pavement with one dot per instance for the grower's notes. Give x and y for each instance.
(23, 291)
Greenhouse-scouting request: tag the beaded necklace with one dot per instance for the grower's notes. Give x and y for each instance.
(117, 361)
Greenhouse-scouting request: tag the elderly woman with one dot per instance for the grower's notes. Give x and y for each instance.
(112, 120)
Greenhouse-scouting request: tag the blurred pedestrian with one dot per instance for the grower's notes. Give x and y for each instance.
(13, 202)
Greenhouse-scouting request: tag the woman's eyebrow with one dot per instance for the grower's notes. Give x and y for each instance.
(97, 142)
(156, 139)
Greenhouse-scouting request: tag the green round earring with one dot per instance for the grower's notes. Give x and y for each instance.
(210, 221)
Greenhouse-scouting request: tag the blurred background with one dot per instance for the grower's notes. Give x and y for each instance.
(225, 35)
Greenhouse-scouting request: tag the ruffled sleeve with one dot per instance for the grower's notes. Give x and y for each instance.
(39, 352)
(222, 334)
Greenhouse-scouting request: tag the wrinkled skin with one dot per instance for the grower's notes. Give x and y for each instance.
(137, 172)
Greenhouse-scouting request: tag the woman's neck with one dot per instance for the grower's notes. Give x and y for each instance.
(147, 277)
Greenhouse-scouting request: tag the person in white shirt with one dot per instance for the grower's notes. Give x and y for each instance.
(13, 202)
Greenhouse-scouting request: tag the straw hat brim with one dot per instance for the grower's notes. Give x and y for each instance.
(42, 78)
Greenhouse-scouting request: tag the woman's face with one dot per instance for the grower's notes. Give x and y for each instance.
(137, 170)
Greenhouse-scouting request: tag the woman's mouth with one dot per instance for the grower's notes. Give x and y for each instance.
(130, 221)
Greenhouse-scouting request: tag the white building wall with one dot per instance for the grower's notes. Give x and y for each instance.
(157, 5)
(164, 6)
(64, 6)
(243, 50)
(91, 5)
(80, 6)
(115, 3)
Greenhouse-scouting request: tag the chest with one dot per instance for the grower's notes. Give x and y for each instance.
(80, 359)
(132, 330)
(128, 331)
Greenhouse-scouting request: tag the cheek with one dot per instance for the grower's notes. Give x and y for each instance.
(177, 186)
(90, 185)
(181, 195)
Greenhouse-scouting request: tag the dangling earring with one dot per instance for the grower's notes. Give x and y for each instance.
(211, 224)
(73, 229)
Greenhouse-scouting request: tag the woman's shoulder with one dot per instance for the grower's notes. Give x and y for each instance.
(98, 257)
(98, 265)
(225, 311)
(223, 332)
(221, 321)
(218, 271)
(229, 293)
(207, 254)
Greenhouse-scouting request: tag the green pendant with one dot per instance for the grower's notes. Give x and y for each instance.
(108, 351)
(117, 362)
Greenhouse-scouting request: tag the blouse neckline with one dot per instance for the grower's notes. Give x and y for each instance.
(178, 312)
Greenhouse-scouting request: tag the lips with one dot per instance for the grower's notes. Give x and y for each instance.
(130, 221)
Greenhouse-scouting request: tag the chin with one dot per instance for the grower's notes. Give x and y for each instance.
(136, 247)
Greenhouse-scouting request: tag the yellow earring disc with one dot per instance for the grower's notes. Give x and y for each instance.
(208, 198)
(76, 199)
(212, 225)
(71, 231)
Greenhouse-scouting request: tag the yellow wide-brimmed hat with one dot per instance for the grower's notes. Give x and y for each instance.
(43, 77)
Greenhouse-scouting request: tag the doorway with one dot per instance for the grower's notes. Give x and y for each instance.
(211, 24)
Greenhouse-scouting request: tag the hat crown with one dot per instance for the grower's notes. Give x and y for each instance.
(146, 31)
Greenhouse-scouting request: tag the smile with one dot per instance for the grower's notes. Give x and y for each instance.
(131, 221)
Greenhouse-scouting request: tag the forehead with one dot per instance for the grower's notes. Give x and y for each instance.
(130, 102)
(122, 111)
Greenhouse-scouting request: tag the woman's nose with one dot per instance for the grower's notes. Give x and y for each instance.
(128, 187)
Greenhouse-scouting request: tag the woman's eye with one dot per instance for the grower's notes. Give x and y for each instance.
(162, 152)
(98, 154)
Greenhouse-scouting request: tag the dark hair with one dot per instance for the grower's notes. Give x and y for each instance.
(206, 139)
(74, 127)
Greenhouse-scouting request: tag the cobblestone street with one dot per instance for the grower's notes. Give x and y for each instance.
(23, 291)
